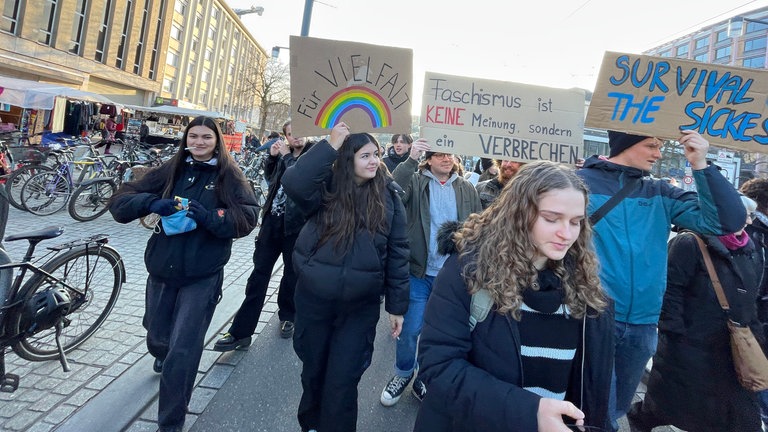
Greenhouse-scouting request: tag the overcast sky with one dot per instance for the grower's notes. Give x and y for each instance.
(554, 43)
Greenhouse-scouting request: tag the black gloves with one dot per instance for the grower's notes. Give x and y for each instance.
(202, 215)
(163, 207)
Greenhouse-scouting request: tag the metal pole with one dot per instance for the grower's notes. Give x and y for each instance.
(307, 17)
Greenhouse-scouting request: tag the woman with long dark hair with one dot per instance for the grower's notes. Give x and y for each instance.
(352, 249)
(186, 270)
(542, 357)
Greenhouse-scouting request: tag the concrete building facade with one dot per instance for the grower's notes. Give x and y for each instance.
(196, 52)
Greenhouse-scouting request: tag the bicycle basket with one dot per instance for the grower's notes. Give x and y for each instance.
(28, 154)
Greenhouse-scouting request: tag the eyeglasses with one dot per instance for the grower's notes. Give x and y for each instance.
(442, 155)
(751, 215)
(585, 428)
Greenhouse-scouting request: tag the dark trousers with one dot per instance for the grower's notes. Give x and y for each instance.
(269, 245)
(335, 344)
(177, 316)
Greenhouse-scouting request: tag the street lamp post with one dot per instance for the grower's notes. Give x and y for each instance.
(307, 17)
(276, 51)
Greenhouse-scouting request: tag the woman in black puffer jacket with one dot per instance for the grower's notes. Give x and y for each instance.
(352, 249)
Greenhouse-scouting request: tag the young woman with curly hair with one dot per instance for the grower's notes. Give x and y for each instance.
(542, 358)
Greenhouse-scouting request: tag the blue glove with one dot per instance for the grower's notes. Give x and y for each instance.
(200, 214)
(163, 207)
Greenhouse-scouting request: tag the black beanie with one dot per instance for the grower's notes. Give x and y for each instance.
(620, 141)
(428, 154)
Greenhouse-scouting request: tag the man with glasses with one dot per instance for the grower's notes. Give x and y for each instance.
(434, 194)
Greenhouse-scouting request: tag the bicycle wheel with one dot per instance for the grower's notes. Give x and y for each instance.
(16, 181)
(98, 272)
(90, 201)
(45, 193)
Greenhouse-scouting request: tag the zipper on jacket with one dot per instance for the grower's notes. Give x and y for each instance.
(583, 358)
(518, 347)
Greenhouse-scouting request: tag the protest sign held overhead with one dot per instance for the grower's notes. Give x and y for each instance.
(660, 96)
(502, 120)
(366, 86)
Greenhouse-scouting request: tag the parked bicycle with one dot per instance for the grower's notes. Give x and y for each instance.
(48, 192)
(70, 292)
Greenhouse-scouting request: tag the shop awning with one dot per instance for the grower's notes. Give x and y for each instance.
(40, 95)
(173, 110)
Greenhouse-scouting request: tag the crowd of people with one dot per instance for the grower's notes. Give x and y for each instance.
(520, 297)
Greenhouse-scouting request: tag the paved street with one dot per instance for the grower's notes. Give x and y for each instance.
(111, 386)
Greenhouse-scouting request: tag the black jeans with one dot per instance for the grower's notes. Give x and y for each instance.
(334, 341)
(177, 316)
(270, 244)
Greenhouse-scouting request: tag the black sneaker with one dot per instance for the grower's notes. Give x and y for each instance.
(286, 329)
(395, 387)
(229, 343)
(419, 389)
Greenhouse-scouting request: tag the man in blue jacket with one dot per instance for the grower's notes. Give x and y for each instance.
(631, 239)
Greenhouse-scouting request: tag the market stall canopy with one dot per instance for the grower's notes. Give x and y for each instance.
(40, 95)
(173, 110)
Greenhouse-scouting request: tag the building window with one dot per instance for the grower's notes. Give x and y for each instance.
(10, 18)
(208, 54)
(194, 44)
(755, 44)
(180, 7)
(191, 68)
(101, 40)
(682, 51)
(754, 62)
(198, 21)
(48, 21)
(205, 75)
(176, 32)
(169, 84)
(119, 63)
(215, 13)
(172, 58)
(188, 92)
(158, 39)
(723, 54)
(753, 26)
(203, 99)
(142, 39)
(702, 58)
(77, 26)
(702, 43)
(212, 33)
(665, 53)
(721, 36)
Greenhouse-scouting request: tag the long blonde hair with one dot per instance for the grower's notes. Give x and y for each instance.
(497, 250)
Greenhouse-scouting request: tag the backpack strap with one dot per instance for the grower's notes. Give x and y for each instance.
(612, 201)
(479, 307)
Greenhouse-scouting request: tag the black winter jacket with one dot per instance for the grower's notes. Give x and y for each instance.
(274, 169)
(194, 254)
(393, 160)
(474, 378)
(375, 264)
(693, 383)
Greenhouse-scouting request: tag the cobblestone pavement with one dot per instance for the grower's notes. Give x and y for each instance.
(50, 399)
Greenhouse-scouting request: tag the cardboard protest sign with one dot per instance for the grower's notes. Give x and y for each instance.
(502, 120)
(660, 96)
(366, 86)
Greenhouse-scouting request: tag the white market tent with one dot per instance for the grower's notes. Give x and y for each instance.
(174, 110)
(39, 95)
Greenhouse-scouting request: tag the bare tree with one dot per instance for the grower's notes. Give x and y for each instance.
(270, 88)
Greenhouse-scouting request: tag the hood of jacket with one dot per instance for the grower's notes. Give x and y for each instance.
(598, 162)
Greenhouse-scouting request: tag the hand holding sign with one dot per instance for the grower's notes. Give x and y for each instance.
(418, 148)
(696, 148)
(338, 134)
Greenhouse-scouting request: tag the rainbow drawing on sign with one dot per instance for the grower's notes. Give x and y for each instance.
(355, 97)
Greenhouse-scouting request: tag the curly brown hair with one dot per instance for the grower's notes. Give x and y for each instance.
(496, 246)
(757, 189)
